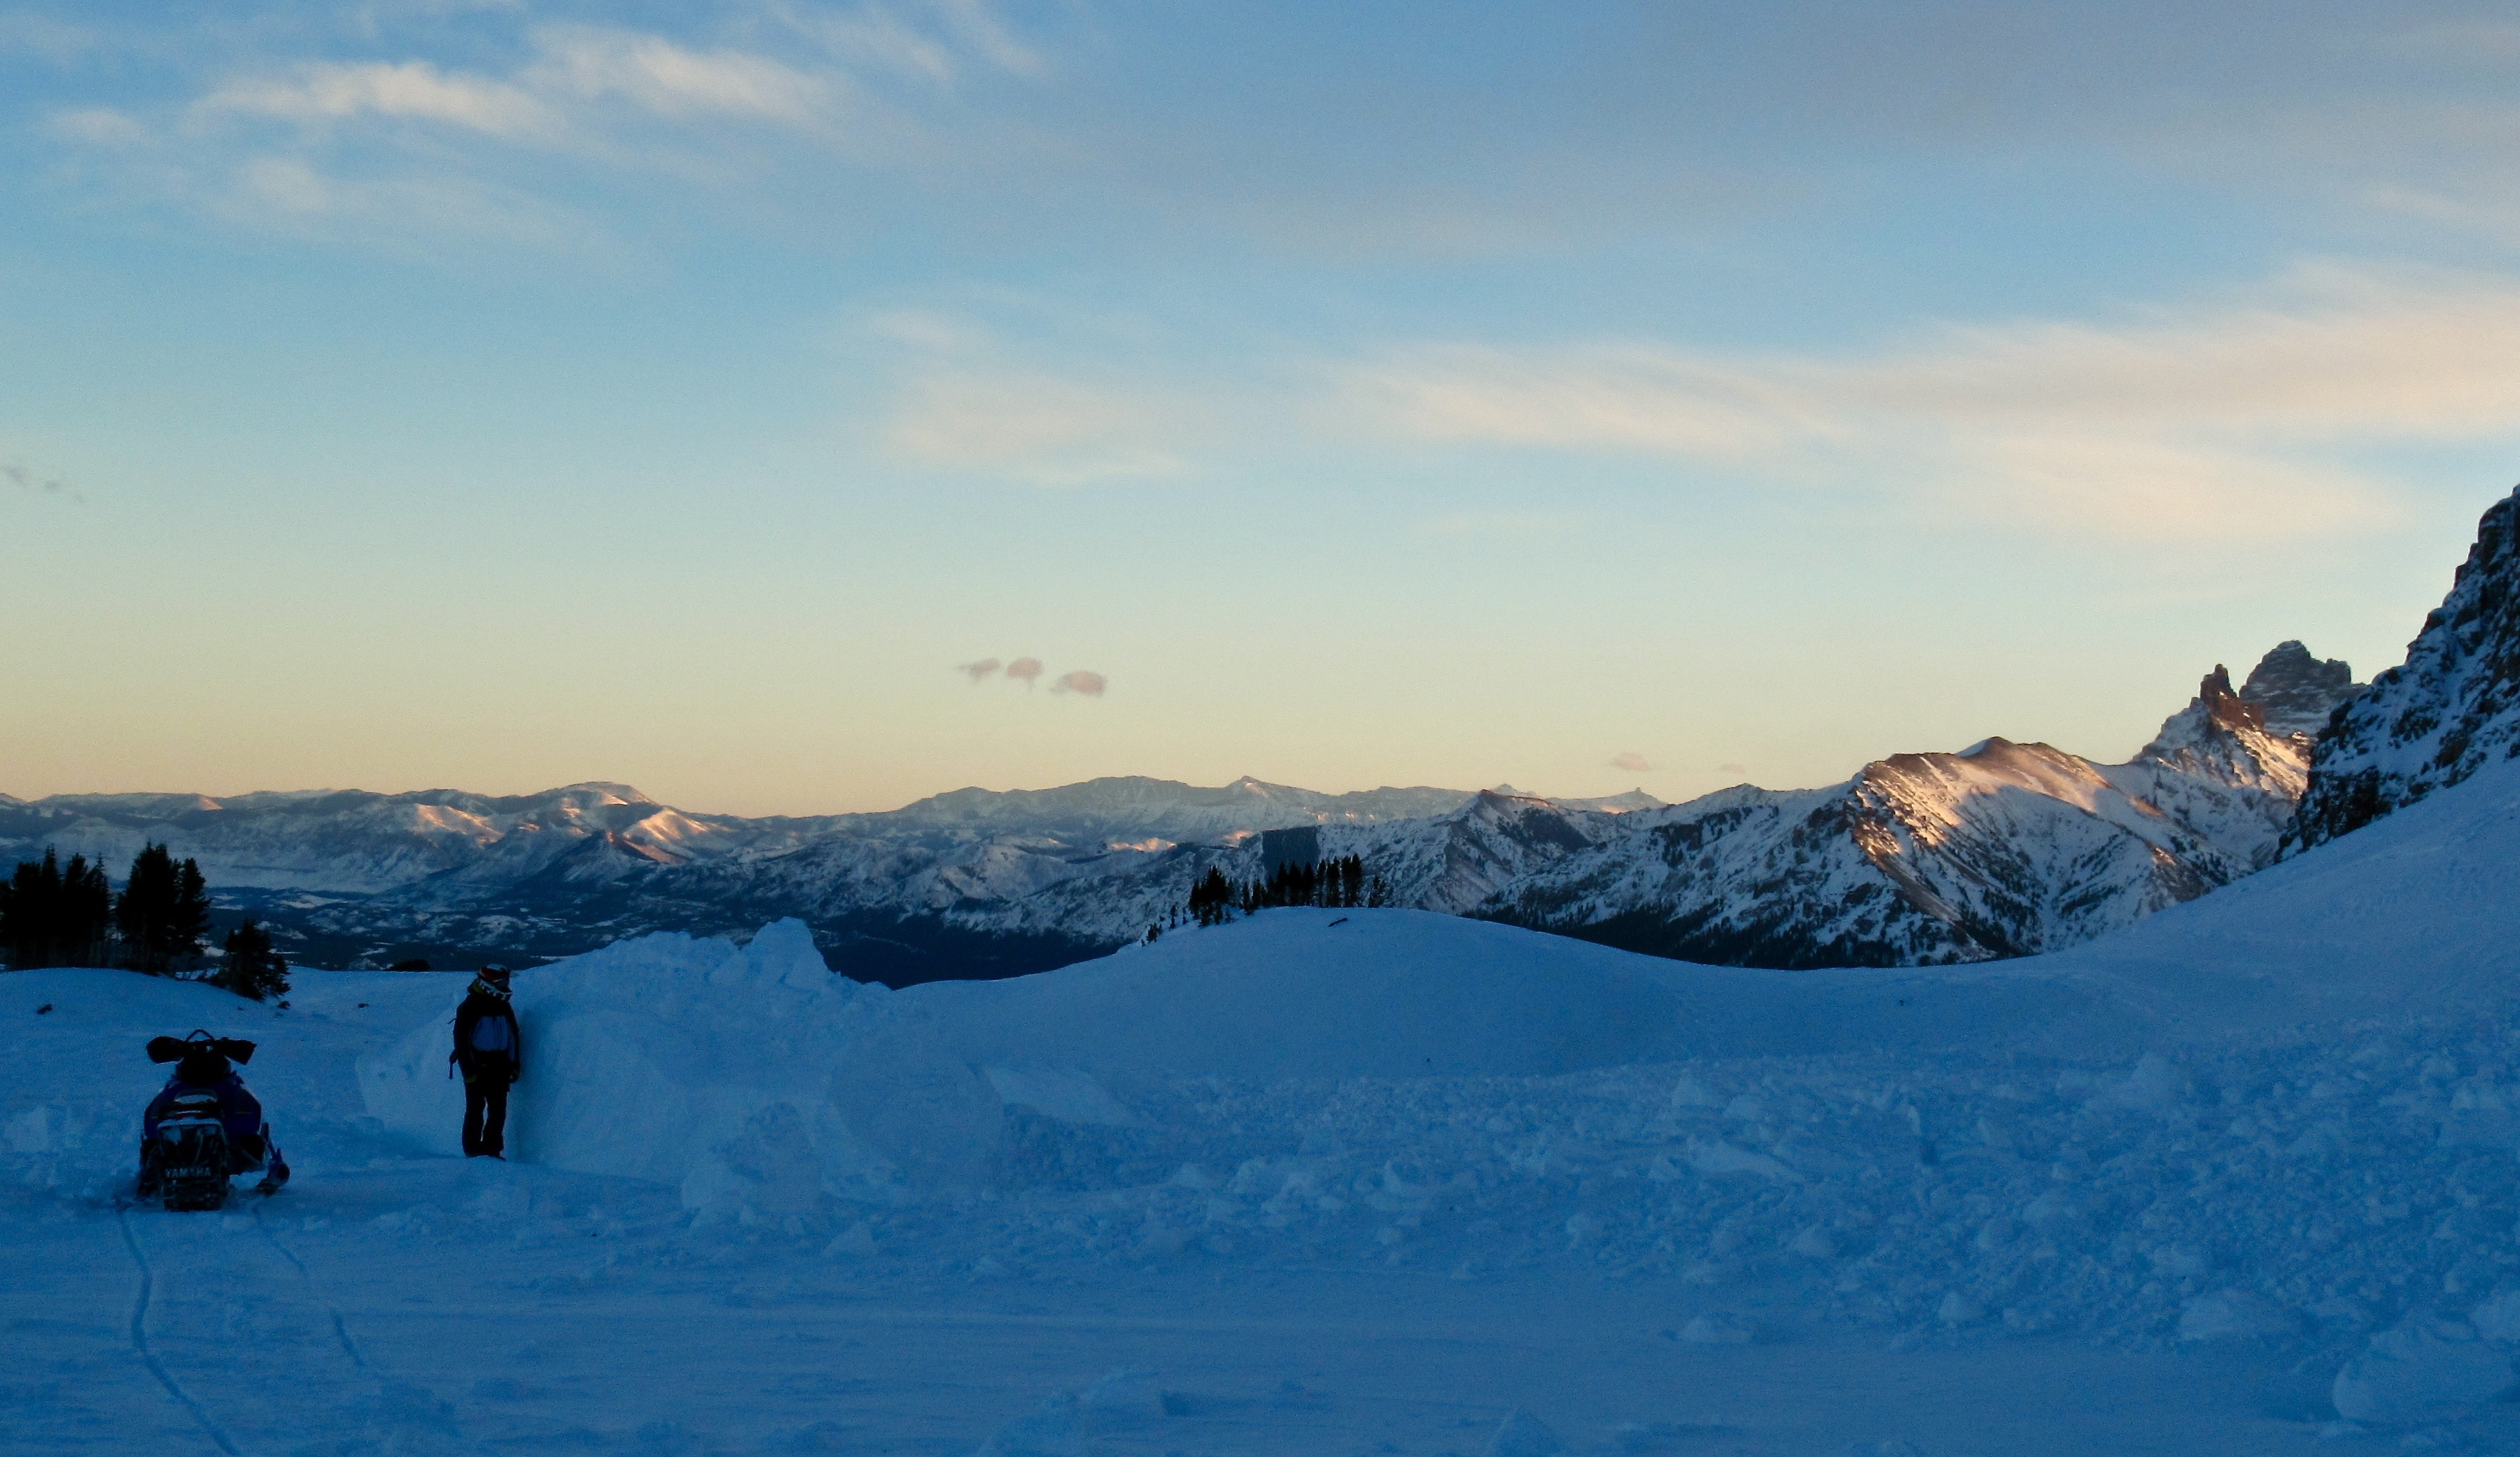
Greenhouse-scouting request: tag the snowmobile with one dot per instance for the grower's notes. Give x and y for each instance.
(203, 1128)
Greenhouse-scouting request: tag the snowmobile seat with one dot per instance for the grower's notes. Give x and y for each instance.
(203, 1127)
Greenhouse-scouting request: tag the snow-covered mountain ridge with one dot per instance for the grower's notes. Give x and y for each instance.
(367, 878)
(1998, 849)
(2450, 710)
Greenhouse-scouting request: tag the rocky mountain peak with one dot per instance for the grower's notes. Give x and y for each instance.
(597, 792)
(2295, 691)
(2226, 709)
(2451, 708)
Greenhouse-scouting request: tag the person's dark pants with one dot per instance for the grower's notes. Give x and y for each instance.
(485, 1107)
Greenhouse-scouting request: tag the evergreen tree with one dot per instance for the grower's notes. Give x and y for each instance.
(163, 913)
(29, 910)
(83, 935)
(1211, 899)
(252, 968)
(52, 916)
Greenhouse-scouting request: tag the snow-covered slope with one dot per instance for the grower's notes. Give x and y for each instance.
(2409, 921)
(2450, 710)
(2235, 1180)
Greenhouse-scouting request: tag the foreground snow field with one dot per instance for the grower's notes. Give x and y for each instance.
(2239, 1181)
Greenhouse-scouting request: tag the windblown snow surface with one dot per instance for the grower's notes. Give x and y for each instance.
(2241, 1179)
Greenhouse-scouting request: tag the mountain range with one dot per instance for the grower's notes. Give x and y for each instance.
(1997, 850)
(2000, 848)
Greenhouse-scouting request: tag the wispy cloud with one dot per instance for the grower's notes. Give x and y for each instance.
(1502, 525)
(405, 215)
(633, 101)
(410, 90)
(100, 127)
(1028, 671)
(2211, 423)
(672, 80)
(1632, 763)
(21, 477)
(1030, 427)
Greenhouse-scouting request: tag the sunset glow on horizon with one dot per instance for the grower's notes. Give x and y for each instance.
(802, 409)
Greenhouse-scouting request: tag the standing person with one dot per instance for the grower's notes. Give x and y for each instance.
(491, 1051)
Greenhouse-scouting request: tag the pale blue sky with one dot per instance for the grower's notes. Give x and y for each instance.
(497, 395)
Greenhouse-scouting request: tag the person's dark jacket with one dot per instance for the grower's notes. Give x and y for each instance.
(479, 1005)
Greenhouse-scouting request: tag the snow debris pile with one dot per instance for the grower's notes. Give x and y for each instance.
(2422, 1371)
(2306, 1196)
(1069, 1422)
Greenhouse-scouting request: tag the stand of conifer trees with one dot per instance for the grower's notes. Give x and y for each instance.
(53, 914)
(1332, 884)
(56, 916)
(253, 969)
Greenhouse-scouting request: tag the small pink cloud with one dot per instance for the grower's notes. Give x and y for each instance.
(1091, 684)
(1025, 670)
(1632, 763)
(1732, 769)
(979, 670)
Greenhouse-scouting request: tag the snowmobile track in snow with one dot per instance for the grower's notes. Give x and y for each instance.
(140, 1337)
(314, 1292)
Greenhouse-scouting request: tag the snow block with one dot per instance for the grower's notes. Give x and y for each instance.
(2423, 1371)
(2498, 1319)
(1057, 1430)
(2234, 1315)
(1718, 1328)
(1523, 1435)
